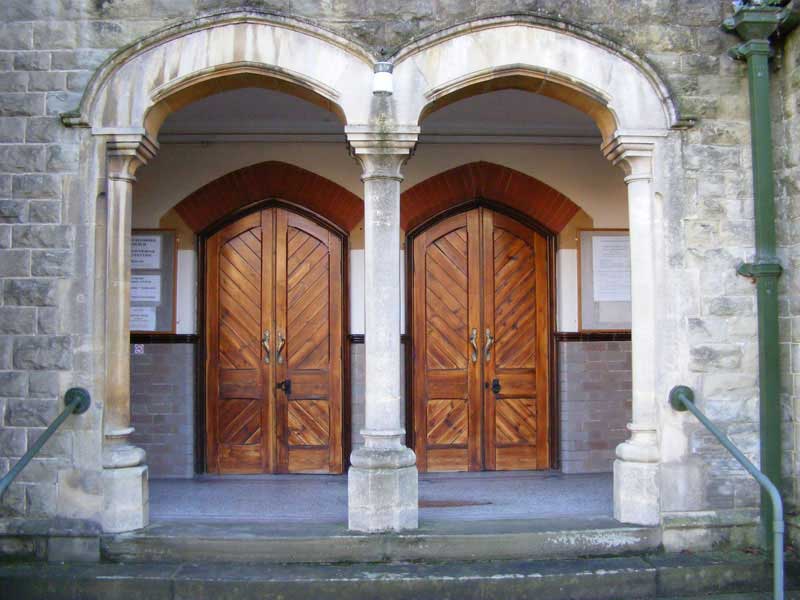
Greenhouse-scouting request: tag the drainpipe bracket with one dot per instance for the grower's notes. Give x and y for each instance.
(762, 269)
(751, 47)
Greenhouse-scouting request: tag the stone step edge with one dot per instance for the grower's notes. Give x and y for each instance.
(143, 547)
(654, 576)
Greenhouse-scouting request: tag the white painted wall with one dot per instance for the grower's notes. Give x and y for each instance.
(579, 172)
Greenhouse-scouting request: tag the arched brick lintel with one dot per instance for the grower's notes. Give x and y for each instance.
(486, 180)
(271, 179)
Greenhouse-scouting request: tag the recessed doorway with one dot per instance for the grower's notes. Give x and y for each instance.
(481, 328)
(274, 311)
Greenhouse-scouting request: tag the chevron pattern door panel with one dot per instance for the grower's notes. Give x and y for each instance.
(274, 314)
(480, 317)
(238, 409)
(308, 313)
(446, 310)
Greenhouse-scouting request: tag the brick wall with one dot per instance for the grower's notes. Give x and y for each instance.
(162, 407)
(595, 402)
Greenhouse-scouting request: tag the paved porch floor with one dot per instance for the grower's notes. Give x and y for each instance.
(323, 498)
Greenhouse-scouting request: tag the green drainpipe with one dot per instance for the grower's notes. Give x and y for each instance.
(756, 22)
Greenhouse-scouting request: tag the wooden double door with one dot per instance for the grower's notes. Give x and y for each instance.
(274, 325)
(480, 311)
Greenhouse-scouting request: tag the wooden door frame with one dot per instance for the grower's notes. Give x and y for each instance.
(551, 237)
(200, 416)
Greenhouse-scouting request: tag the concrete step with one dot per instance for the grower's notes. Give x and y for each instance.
(181, 541)
(619, 578)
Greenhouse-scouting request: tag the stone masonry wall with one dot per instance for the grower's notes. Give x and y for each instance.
(594, 383)
(49, 204)
(786, 132)
(162, 407)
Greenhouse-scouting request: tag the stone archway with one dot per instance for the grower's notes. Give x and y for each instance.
(124, 106)
(135, 90)
(634, 112)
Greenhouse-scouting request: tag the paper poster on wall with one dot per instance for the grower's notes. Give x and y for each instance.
(146, 288)
(143, 318)
(604, 280)
(611, 268)
(145, 252)
(153, 280)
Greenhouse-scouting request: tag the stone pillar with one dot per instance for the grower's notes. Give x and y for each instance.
(125, 505)
(636, 485)
(382, 481)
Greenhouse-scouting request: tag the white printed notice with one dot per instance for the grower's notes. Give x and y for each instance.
(143, 318)
(146, 252)
(611, 268)
(146, 288)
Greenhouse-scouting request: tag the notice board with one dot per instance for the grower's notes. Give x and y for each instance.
(153, 280)
(604, 280)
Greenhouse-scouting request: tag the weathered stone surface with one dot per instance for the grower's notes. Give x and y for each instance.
(43, 384)
(13, 384)
(82, 59)
(16, 36)
(62, 158)
(53, 353)
(44, 211)
(12, 129)
(12, 442)
(15, 263)
(19, 104)
(47, 320)
(30, 412)
(55, 35)
(61, 102)
(18, 158)
(17, 320)
(46, 81)
(48, 130)
(15, 81)
(42, 236)
(29, 292)
(721, 356)
(32, 61)
(6, 351)
(51, 263)
(13, 211)
(36, 186)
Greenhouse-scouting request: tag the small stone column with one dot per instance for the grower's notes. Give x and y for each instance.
(382, 481)
(125, 505)
(636, 483)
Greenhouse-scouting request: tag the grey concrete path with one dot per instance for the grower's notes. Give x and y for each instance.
(323, 498)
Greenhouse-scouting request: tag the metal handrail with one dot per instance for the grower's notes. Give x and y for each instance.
(77, 401)
(681, 398)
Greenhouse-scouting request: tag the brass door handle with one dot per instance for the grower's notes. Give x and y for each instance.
(265, 343)
(473, 339)
(487, 350)
(281, 343)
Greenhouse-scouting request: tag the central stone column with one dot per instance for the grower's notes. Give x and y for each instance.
(382, 481)
(636, 470)
(125, 491)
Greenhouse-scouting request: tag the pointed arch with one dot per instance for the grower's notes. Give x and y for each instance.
(489, 181)
(243, 187)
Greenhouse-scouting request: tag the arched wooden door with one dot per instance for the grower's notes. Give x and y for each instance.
(480, 311)
(274, 328)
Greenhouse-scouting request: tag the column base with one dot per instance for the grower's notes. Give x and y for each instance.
(382, 490)
(126, 499)
(636, 497)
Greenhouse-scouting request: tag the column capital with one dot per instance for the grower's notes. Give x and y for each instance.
(381, 152)
(633, 153)
(127, 152)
